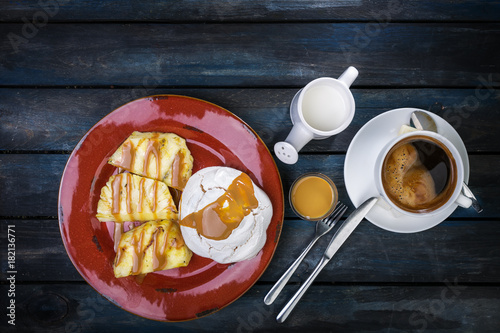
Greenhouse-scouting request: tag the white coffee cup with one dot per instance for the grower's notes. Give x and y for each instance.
(454, 198)
(324, 107)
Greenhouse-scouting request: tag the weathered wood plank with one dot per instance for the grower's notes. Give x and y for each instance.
(249, 54)
(259, 10)
(30, 182)
(445, 308)
(40, 253)
(56, 119)
(462, 250)
(371, 254)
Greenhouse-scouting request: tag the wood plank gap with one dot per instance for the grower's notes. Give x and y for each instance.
(485, 153)
(27, 283)
(254, 21)
(286, 219)
(36, 152)
(393, 284)
(234, 87)
(67, 152)
(21, 218)
(478, 218)
(321, 153)
(337, 284)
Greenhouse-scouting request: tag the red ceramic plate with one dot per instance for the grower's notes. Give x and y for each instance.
(215, 137)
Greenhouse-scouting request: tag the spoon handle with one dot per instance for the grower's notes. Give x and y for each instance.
(278, 287)
(468, 193)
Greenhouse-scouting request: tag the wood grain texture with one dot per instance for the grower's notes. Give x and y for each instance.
(30, 182)
(66, 64)
(40, 253)
(464, 250)
(448, 307)
(242, 55)
(56, 119)
(254, 11)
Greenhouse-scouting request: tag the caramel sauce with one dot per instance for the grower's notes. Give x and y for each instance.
(138, 253)
(141, 195)
(178, 242)
(159, 247)
(140, 278)
(116, 194)
(155, 190)
(128, 156)
(152, 149)
(129, 193)
(217, 220)
(117, 235)
(116, 188)
(176, 195)
(177, 180)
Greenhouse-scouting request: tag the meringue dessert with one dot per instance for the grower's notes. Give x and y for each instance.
(160, 156)
(224, 215)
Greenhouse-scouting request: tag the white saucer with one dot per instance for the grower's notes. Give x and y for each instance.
(360, 163)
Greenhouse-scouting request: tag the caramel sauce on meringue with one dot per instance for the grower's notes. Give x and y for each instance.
(218, 219)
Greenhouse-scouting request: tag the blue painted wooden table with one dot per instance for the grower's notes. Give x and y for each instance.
(65, 64)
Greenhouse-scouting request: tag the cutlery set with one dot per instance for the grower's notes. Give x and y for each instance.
(322, 228)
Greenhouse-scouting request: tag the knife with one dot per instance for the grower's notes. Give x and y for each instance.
(338, 239)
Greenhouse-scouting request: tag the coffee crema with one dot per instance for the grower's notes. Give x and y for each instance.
(419, 174)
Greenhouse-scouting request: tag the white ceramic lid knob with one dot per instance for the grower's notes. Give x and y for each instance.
(286, 152)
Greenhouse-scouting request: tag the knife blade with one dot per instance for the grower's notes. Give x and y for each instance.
(338, 239)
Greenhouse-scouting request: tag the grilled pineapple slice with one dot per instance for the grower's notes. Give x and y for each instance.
(150, 247)
(128, 197)
(160, 156)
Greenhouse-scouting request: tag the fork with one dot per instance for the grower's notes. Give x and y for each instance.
(322, 228)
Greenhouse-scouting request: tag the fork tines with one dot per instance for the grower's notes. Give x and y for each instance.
(339, 210)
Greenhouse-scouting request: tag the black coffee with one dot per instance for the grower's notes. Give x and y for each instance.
(419, 174)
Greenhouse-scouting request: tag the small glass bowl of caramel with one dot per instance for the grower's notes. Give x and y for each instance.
(313, 196)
